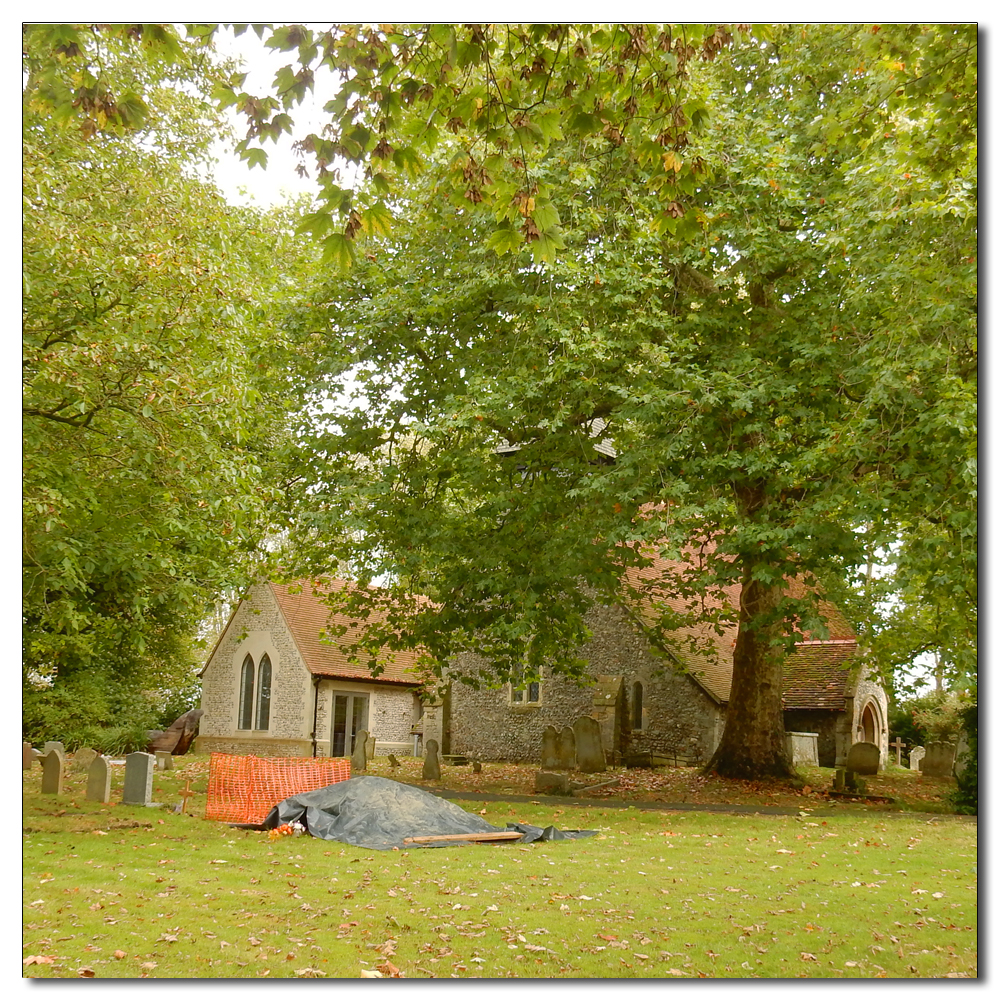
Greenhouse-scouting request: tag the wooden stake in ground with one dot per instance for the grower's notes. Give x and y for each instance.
(185, 795)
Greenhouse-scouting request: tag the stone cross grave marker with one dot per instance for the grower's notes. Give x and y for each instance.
(138, 789)
(432, 766)
(99, 780)
(589, 752)
(897, 745)
(359, 759)
(916, 756)
(53, 765)
(566, 747)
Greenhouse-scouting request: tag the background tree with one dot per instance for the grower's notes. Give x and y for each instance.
(156, 399)
(753, 353)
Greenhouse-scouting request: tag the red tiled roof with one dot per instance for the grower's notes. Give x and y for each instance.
(307, 617)
(815, 675)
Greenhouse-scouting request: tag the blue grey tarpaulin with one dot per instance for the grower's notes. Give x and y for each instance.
(378, 813)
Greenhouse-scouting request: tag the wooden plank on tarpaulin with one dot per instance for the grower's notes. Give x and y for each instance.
(481, 837)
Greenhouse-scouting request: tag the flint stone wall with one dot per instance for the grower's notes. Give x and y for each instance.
(678, 717)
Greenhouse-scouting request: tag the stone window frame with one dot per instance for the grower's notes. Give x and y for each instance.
(637, 694)
(256, 651)
(525, 690)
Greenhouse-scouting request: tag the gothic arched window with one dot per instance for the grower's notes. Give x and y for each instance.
(245, 720)
(264, 693)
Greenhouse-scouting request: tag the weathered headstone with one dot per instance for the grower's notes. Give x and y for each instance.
(916, 756)
(164, 760)
(803, 748)
(83, 758)
(392, 760)
(938, 760)
(138, 790)
(359, 759)
(27, 756)
(566, 748)
(550, 748)
(863, 758)
(589, 752)
(53, 745)
(370, 748)
(432, 766)
(477, 768)
(962, 757)
(99, 780)
(53, 765)
(552, 783)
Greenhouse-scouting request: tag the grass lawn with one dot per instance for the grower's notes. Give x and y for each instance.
(827, 892)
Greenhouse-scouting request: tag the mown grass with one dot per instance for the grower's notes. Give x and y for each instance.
(122, 892)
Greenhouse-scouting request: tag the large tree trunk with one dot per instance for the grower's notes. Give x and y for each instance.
(753, 741)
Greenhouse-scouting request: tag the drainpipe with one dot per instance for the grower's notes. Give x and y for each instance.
(315, 711)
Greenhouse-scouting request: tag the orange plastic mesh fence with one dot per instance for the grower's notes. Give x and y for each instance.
(244, 789)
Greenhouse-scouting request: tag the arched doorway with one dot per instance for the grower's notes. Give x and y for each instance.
(869, 726)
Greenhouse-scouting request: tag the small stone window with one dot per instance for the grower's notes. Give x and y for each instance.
(526, 692)
(245, 720)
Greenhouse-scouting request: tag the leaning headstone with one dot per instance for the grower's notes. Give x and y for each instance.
(52, 773)
(164, 760)
(359, 759)
(99, 780)
(916, 756)
(370, 748)
(53, 745)
(938, 760)
(550, 748)
(83, 758)
(138, 789)
(432, 766)
(551, 783)
(863, 758)
(566, 747)
(589, 752)
(27, 756)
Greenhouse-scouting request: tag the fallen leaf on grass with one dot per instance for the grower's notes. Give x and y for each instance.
(120, 954)
(38, 960)
(86, 973)
(309, 973)
(371, 974)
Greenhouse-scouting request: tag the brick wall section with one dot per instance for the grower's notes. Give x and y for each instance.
(678, 717)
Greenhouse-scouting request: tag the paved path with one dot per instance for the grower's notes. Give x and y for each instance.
(709, 807)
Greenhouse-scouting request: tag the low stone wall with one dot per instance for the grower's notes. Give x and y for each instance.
(257, 747)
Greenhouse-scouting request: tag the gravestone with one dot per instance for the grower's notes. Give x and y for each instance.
(916, 756)
(52, 772)
(551, 783)
(477, 768)
(938, 760)
(550, 748)
(370, 748)
(99, 780)
(138, 789)
(566, 748)
(432, 766)
(803, 748)
(962, 757)
(897, 745)
(589, 752)
(863, 758)
(164, 760)
(53, 745)
(27, 756)
(359, 759)
(83, 758)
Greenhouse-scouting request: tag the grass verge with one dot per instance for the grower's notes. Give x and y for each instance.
(127, 892)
